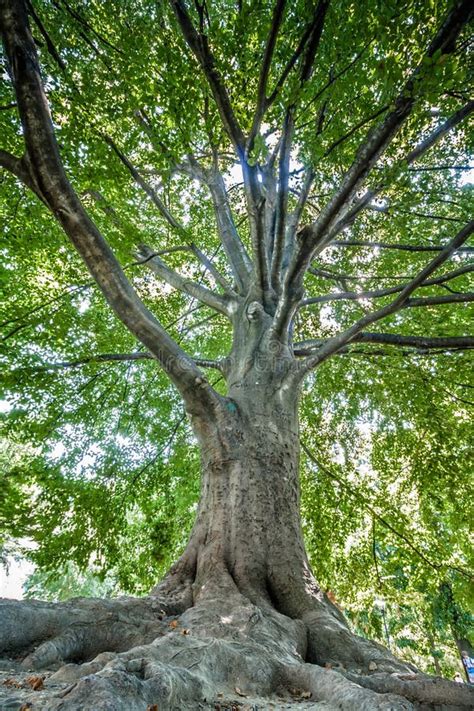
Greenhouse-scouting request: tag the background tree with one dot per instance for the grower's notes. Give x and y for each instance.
(299, 173)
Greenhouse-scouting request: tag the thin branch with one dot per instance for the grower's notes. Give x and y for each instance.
(89, 27)
(49, 42)
(402, 247)
(395, 210)
(148, 189)
(162, 449)
(67, 292)
(333, 78)
(439, 300)
(289, 66)
(306, 348)
(363, 499)
(363, 122)
(345, 337)
(365, 200)
(378, 293)
(211, 268)
(441, 167)
(114, 357)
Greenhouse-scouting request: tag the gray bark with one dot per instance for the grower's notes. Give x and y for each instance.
(241, 612)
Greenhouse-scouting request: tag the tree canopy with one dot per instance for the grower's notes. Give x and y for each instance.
(99, 466)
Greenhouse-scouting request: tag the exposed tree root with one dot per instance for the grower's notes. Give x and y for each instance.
(419, 688)
(222, 652)
(77, 630)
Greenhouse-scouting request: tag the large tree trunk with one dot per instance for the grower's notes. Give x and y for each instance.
(243, 591)
(241, 608)
(247, 532)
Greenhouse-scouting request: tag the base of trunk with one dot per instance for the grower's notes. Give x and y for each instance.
(222, 652)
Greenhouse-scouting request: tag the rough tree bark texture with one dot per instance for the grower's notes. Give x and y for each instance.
(239, 621)
(240, 618)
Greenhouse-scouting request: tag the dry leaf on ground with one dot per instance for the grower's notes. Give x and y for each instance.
(36, 682)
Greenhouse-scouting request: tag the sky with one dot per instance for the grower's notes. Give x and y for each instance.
(11, 581)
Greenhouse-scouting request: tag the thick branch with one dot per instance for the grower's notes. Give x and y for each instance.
(18, 167)
(281, 231)
(317, 234)
(12, 164)
(345, 337)
(46, 167)
(282, 200)
(199, 45)
(314, 40)
(366, 199)
(277, 18)
(236, 253)
(295, 216)
(197, 291)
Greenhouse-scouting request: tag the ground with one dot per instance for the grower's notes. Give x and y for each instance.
(224, 653)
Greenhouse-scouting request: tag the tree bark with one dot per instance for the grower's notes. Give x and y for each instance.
(239, 615)
(247, 531)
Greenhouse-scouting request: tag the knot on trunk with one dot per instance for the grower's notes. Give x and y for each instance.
(254, 311)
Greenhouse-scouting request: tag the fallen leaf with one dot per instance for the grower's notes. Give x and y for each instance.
(240, 693)
(173, 624)
(12, 682)
(25, 707)
(184, 631)
(152, 707)
(36, 682)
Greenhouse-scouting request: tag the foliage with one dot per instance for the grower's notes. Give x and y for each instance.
(67, 583)
(99, 467)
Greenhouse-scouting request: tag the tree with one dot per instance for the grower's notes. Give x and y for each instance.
(181, 98)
